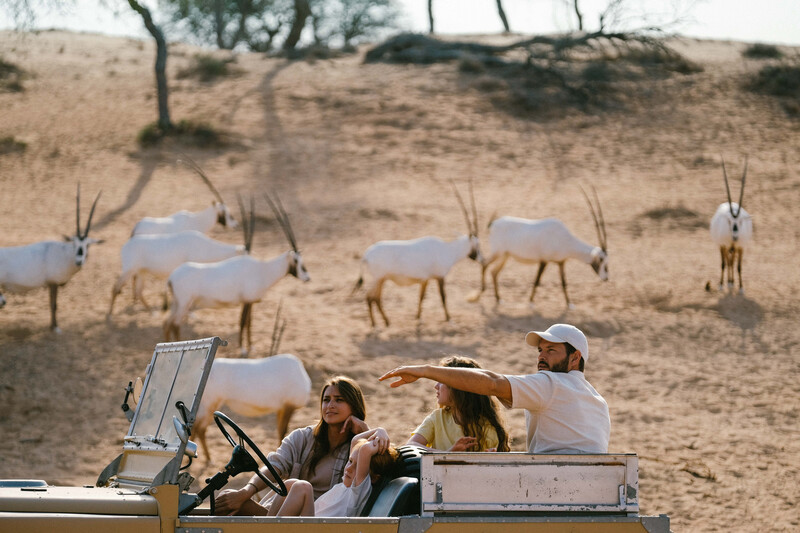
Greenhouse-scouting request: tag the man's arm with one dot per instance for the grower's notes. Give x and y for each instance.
(474, 380)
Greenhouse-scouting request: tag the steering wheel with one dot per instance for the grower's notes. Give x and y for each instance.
(219, 418)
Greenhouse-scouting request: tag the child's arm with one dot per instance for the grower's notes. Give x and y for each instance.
(365, 453)
(378, 435)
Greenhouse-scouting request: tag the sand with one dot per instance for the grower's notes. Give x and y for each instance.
(703, 386)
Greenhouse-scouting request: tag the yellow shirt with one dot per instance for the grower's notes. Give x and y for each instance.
(441, 431)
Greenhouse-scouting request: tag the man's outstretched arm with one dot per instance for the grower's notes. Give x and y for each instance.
(474, 380)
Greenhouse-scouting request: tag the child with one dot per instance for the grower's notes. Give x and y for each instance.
(370, 457)
(464, 421)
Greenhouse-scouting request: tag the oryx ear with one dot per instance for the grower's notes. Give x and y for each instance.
(95, 241)
(67, 238)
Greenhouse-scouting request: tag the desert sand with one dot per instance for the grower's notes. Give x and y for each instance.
(703, 386)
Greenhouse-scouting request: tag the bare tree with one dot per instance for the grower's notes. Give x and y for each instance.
(301, 12)
(500, 11)
(502, 14)
(164, 122)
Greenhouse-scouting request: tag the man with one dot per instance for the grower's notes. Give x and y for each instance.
(563, 412)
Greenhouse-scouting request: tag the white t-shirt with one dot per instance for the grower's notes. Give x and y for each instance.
(343, 501)
(563, 412)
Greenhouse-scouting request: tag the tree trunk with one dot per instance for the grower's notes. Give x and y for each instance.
(161, 65)
(301, 12)
(219, 24)
(577, 13)
(502, 14)
(430, 15)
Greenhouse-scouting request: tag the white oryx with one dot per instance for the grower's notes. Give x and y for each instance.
(543, 241)
(731, 230)
(418, 261)
(48, 264)
(241, 280)
(202, 221)
(159, 255)
(253, 387)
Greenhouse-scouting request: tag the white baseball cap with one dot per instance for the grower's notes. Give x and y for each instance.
(561, 333)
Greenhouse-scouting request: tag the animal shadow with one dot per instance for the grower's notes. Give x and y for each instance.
(740, 310)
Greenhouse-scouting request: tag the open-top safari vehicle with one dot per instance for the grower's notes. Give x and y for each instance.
(146, 488)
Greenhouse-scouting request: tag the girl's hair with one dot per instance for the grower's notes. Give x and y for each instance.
(474, 411)
(351, 392)
(386, 463)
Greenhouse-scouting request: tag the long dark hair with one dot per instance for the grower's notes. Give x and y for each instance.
(351, 392)
(474, 411)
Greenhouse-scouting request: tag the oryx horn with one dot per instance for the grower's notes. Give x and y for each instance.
(599, 221)
(189, 162)
(282, 218)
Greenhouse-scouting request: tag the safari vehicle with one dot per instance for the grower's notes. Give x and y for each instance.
(146, 488)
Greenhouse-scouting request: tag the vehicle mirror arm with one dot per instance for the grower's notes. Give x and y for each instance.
(181, 407)
(125, 407)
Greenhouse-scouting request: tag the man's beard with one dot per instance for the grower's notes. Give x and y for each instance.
(561, 366)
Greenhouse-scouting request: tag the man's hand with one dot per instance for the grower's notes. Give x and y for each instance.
(407, 374)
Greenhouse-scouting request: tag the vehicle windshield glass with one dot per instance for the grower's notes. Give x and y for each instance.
(174, 375)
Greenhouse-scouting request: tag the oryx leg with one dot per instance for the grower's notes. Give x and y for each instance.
(564, 283)
(542, 266)
(379, 302)
(172, 329)
(53, 298)
(484, 266)
(374, 297)
(121, 281)
(200, 434)
(731, 260)
(284, 414)
(244, 323)
(495, 271)
(739, 269)
(724, 255)
(423, 286)
(444, 302)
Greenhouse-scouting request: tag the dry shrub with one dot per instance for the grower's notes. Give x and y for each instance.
(9, 145)
(185, 131)
(11, 77)
(207, 67)
(762, 51)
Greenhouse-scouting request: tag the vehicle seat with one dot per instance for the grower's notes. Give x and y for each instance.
(399, 497)
(401, 490)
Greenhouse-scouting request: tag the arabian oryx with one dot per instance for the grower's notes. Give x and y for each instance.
(159, 255)
(241, 280)
(202, 221)
(255, 387)
(544, 241)
(732, 230)
(417, 261)
(48, 264)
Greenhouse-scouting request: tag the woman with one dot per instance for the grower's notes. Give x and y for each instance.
(464, 421)
(316, 453)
